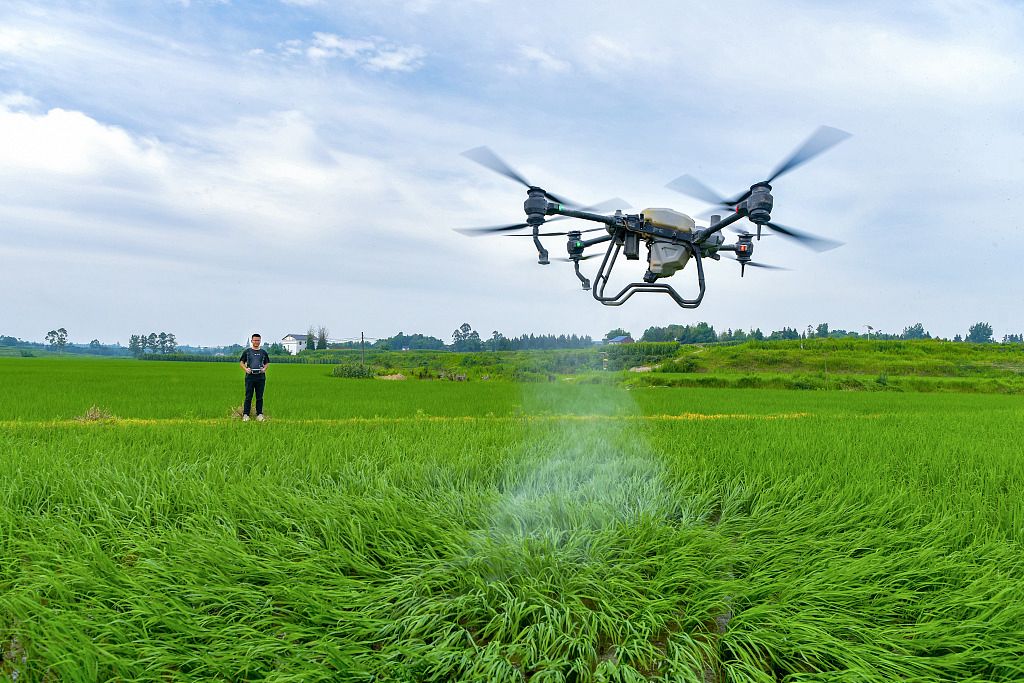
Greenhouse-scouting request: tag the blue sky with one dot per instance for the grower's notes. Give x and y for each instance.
(209, 168)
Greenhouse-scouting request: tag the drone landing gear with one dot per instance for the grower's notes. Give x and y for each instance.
(585, 281)
(542, 253)
(605, 271)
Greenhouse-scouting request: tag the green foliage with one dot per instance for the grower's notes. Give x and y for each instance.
(429, 531)
(915, 331)
(689, 364)
(701, 333)
(617, 332)
(466, 339)
(413, 342)
(622, 356)
(980, 333)
(352, 371)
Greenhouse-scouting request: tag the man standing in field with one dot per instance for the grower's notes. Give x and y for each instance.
(254, 361)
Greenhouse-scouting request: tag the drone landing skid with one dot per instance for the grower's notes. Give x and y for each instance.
(608, 263)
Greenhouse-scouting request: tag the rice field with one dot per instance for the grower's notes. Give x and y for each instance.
(437, 531)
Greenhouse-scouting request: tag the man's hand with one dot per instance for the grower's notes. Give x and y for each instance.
(248, 371)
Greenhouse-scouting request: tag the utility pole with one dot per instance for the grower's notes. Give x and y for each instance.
(362, 358)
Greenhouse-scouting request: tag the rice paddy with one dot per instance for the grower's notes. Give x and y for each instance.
(489, 531)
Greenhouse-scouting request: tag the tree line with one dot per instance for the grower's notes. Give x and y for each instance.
(703, 333)
(163, 342)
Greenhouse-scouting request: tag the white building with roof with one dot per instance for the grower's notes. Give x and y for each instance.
(294, 342)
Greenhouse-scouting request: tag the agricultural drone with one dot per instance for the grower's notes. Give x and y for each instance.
(672, 238)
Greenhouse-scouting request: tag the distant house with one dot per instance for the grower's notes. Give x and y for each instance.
(293, 343)
(620, 340)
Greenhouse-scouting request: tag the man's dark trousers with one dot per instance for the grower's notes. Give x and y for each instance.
(254, 383)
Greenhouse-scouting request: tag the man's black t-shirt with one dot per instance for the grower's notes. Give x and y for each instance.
(255, 359)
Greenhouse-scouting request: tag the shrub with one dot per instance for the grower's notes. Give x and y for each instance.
(352, 371)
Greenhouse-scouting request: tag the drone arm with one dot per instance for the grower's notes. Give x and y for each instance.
(596, 240)
(707, 232)
(585, 215)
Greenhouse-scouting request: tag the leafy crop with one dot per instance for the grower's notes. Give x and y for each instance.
(433, 531)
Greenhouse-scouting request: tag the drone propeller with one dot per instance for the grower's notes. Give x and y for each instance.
(806, 239)
(820, 140)
(691, 187)
(486, 157)
(552, 234)
(488, 230)
(581, 258)
(757, 264)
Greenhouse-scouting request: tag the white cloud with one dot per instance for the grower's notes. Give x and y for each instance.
(373, 54)
(542, 59)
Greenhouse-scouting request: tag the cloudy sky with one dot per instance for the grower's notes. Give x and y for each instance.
(211, 167)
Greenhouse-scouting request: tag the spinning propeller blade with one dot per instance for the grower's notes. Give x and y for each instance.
(757, 264)
(486, 157)
(491, 229)
(821, 140)
(691, 187)
(806, 239)
(607, 206)
(553, 234)
(581, 258)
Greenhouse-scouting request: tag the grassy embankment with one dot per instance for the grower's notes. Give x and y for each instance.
(419, 531)
(842, 364)
(846, 365)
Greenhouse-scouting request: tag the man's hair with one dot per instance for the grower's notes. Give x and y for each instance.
(256, 334)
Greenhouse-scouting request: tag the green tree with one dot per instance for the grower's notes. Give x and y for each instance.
(915, 331)
(701, 333)
(311, 339)
(617, 332)
(57, 339)
(980, 333)
(321, 338)
(466, 339)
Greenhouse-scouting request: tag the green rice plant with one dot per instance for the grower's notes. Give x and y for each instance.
(436, 531)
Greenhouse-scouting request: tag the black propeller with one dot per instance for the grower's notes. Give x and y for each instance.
(757, 264)
(581, 258)
(806, 239)
(491, 229)
(552, 234)
(486, 157)
(821, 140)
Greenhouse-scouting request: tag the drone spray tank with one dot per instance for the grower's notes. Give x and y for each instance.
(666, 257)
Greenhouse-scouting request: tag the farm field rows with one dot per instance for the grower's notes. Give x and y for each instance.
(415, 531)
